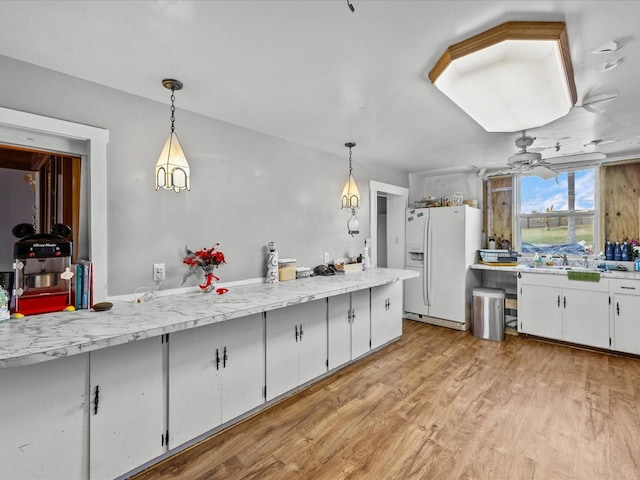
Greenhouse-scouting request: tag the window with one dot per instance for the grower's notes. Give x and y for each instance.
(558, 215)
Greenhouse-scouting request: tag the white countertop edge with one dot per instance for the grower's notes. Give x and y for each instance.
(39, 338)
(628, 275)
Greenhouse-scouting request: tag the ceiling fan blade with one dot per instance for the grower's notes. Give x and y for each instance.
(543, 172)
(597, 103)
(498, 173)
(577, 157)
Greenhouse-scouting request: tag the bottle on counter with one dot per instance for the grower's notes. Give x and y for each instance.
(624, 253)
(537, 260)
(617, 252)
(637, 265)
(608, 251)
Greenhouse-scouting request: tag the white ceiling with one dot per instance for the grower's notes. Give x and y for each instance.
(315, 73)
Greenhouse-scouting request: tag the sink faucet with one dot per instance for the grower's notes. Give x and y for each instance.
(565, 260)
(586, 261)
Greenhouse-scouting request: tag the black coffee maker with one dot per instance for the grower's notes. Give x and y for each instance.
(40, 259)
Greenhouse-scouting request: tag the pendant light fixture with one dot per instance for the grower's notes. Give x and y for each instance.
(172, 168)
(351, 197)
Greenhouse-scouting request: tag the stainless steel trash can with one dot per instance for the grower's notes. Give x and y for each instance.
(488, 313)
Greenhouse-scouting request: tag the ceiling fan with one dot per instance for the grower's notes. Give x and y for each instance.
(525, 161)
(529, 160)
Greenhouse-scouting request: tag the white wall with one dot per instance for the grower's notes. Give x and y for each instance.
(246, 188)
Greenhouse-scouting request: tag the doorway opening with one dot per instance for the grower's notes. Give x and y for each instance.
(382, 231)
(388, 239)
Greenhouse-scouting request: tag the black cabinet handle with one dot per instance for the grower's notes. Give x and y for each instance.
(296, 333)
(565, 302)
(301, 332)
(558, 301)
(618, 308)
(224, 358)
(96, 400)
(217, 359)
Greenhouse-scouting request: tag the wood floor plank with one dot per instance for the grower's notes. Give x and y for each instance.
(441, 404)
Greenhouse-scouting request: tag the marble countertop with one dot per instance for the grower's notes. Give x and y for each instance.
(38, 338)
(628, 275)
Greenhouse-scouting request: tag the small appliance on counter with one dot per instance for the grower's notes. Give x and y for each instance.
(40, 259)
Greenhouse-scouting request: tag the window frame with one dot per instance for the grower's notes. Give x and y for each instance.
(518, 216)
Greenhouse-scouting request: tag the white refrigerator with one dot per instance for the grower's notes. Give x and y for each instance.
(442, 243)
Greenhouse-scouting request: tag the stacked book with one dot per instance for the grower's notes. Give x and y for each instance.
(84, 284)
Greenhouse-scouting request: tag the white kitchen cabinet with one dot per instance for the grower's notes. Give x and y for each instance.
(43, 420)
(216, 373)
(585, 315)
(127, 410)
(625, 313)
(539, 310)
(349, 327)
(296, 346)
(555, 307)
(386, 313)
(243, 377)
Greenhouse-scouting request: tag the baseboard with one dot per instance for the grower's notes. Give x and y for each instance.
(436, 321)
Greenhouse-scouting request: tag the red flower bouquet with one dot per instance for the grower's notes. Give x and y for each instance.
(206, 260)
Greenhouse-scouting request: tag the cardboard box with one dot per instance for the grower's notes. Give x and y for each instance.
(352, 267)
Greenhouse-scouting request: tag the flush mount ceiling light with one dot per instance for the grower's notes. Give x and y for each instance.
(172, 168)
(351, 197)
(515, 76)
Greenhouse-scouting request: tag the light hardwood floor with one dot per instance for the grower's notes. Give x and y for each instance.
(441, 404)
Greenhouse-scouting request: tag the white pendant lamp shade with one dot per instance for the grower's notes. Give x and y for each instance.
(350, 192)
(172, 168)
(351, 197)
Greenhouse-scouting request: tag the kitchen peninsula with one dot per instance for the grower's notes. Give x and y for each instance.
(134, 384)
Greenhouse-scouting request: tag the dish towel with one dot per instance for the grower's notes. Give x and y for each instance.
(583, 276)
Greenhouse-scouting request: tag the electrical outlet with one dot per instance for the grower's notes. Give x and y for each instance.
(326, 258)
(158, 272)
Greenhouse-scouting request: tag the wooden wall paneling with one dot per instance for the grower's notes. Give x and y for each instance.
(500, 208)
(620, 201)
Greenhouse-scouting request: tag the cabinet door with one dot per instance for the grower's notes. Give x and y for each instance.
(339, 330)
(386, 313)
(194, 382)
(539, 310)
(585, 317)
(43, 420)
(243, 375)
(313, 340)
(127, 429)
(626, 323)
(361, 323)
(282, 350)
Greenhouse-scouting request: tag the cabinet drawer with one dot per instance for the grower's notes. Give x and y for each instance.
(561, 281)
(628, 287)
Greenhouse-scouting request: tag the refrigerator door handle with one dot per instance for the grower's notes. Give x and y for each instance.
(425, 262)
